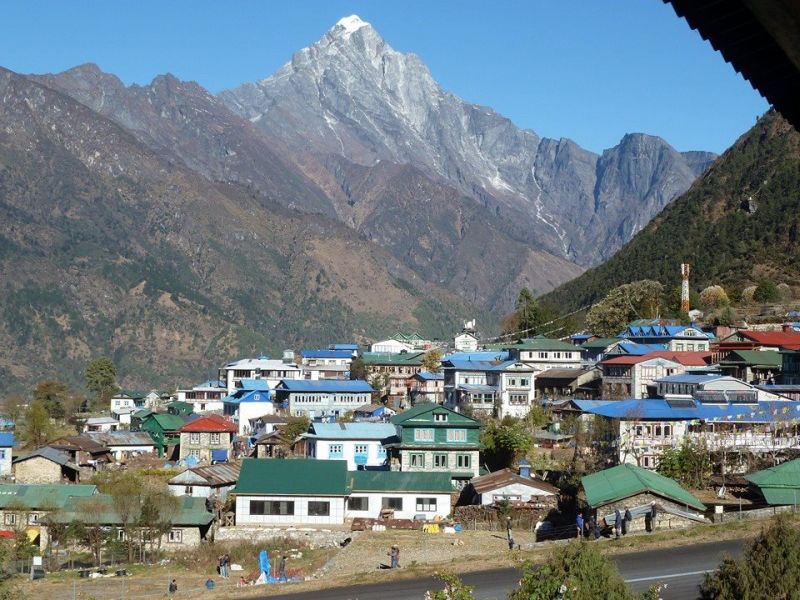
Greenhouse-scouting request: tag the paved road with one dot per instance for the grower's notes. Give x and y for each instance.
(680, 568)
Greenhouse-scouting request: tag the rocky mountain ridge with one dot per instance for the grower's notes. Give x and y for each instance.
(352, 95)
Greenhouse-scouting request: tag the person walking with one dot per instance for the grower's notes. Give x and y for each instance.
(508, 527)
(627, 518)
(173, 587)
(394, 557)
(282, 569)
(617, 522)
(579, 525)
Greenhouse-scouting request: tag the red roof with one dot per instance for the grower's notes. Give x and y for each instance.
(772, 338)
(687, 359)
(210, 423)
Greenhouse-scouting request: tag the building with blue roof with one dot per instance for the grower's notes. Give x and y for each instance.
(678, 338)
(360, 444)
(427, 387)
(490, 383)
(327, 363)
(720, 412)
(7, 443)
(251, 399)
(323, 397)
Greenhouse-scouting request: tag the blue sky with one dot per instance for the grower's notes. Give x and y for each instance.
(589, 70)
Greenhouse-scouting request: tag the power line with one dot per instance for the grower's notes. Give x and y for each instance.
(524, 331)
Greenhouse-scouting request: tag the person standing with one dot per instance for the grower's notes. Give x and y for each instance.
(173, 587)
(653, 513)
(282, 569)
(617, 522)
(627, 518)
(579, 525)
(508, 527)
(510, 543)
(394, 557)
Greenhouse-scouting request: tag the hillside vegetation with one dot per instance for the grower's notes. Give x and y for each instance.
(738, 225)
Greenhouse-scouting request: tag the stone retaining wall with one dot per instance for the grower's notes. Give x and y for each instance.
(312, 538)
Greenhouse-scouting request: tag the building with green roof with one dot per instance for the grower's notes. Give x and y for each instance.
(762, 366)
(544, 353)
(323, 492)
(433, 438)
(162, 427)
(779, 485)
(635, 488)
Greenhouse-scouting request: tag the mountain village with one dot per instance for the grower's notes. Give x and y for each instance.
(326, 444)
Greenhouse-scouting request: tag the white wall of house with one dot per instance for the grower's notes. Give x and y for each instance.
(516, 393)
(465, 342)
(430, 504)
(252, 410)
(199, 491)
(512, 492)
(347, 450)
(118, 403)
(541, 360)
(300, 512)
(5, 461)
(391, 347)
(318, 404)
(645, 373)
(121, 452)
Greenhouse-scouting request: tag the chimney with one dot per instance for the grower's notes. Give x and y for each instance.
(525, 468)
(288, 356)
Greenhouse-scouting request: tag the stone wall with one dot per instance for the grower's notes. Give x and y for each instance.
(312, 538)
(663, 520)
(37, 470)
(758, 513)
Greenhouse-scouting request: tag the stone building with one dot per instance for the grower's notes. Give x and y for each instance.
(208, 438)
(45, 465)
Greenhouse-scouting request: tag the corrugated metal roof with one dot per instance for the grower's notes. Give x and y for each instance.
(624, 481)
(504, 477)
(7, 439)
(121, 438)
(388, 358)
(352, 431)
(601, 343)
(209, 423)
(52, 454)
(327, 353)
(293, 477)
(428, 376)
(420, 413)
(756, 358)
(397, 481)
(250, 385)
(35, 496)
(219, 474)
(474, 388)
(541, 342)
(192, 511)
(326, 385)
(660, 409)
(780, 483)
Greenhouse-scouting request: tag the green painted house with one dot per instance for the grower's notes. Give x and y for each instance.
(434, 438)
(162, 427)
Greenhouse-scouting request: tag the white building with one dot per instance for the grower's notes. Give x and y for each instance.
(360, 444)
(263, 368)
(269, 493)
(7, 442)
(488, 383)
(101, 424)
(206, 397)
(467, 340)
(543, 353)
(507, 485)
(327, 363)
(205, 482)
(391, 346)
(322, 398)
(251, 399)
(124, 444)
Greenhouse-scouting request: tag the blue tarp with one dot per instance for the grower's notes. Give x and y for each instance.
(219, 455)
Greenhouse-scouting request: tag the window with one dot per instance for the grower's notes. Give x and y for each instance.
(33, 518)
(187, 491)
(524, 382)
(423, 435)
(518, 398)
(440, 461)
(456, 435)
(215, 438)
(175, 536)
(317, 508)
(388, 502)
(358, 503)
(10, 519)
(195, 453)
(417, 460)
(426, 504)
(271, 507)
(335, 450)
(440, 417)
(194, 438)
(464, 461)
(667, 430)
(121, 535)
(361, 448)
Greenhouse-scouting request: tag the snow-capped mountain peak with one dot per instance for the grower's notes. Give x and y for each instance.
(349, 25)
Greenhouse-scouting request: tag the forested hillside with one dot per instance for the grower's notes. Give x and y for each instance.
(736, 226)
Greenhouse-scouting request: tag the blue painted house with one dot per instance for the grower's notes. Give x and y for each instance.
(322, 398)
